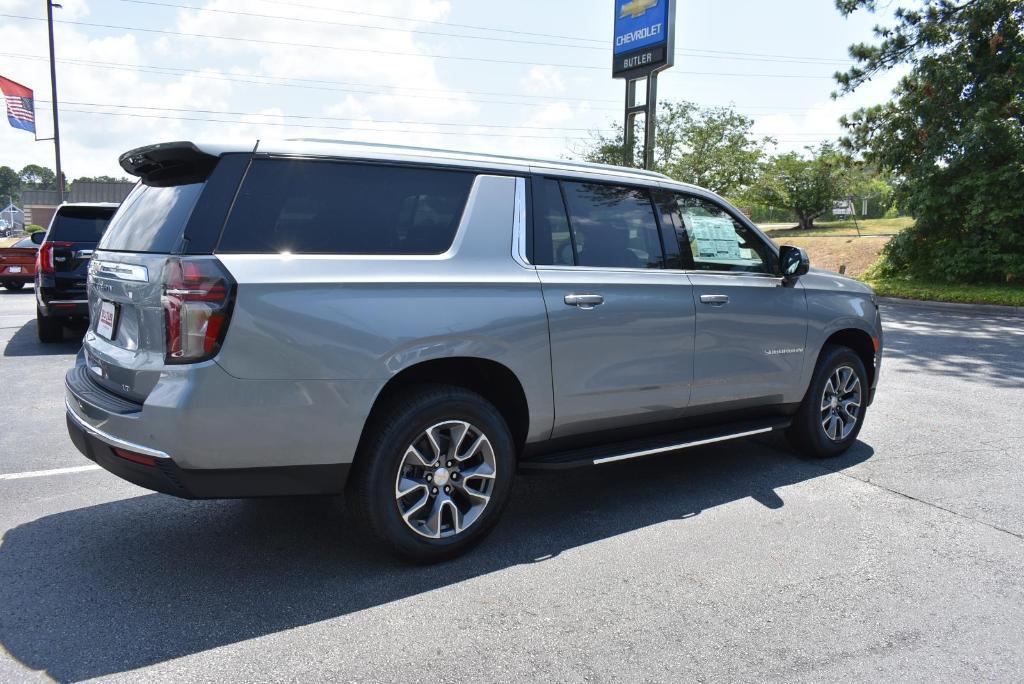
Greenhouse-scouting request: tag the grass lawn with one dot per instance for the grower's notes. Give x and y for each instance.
(837, 228)
(831, 253)
(1007, 295)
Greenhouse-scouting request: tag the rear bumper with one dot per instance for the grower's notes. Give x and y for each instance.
(162, 474)
(200, 446)
(17, 277)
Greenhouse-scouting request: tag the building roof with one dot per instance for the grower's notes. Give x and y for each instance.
(80, 192)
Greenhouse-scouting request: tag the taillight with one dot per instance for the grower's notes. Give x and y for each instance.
(197, 298)
(44, 257)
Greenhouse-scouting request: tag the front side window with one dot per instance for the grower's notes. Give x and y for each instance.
(717, 241)
(317, 207)
(612, 226)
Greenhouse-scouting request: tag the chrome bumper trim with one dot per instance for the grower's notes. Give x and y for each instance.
(110, 439)
(66, 301)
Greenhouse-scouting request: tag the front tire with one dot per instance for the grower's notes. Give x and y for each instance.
(832, 413)
(433, 474)
(50, 329)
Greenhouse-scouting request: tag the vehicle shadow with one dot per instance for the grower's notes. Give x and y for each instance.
(25, 342)
(979, 347)
(118, 586)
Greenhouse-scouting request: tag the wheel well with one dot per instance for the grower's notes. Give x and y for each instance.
(490, 379)
(861, 343)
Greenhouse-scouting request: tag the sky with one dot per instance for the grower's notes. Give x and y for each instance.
(531, 77)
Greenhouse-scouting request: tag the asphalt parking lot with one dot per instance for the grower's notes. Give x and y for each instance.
(901, 560)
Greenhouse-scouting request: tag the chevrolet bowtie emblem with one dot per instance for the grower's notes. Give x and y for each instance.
(636, 8)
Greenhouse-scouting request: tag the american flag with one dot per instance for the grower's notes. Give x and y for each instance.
(20, 105)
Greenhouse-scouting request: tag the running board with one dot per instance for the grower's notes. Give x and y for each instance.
(638, 448)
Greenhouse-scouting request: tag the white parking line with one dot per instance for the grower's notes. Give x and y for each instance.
(44, 473)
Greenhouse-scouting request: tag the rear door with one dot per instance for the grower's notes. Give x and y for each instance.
(621, 326)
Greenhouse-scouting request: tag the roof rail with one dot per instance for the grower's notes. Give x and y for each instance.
(504, 157)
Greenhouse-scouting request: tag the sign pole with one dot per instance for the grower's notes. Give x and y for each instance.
(643, 45)
(651, 119)
(53, 97)
(628, 137)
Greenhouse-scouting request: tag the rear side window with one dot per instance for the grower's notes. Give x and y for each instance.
(79, 224)
(612, 226)
(151, 219)
(314, 207)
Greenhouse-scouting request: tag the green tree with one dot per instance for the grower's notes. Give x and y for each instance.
(38, 177)
(101, 179)
(806, 184)
(10, 185)
(953, 134)
(708, 146)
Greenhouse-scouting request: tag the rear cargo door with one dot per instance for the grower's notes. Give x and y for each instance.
(125, 344)
(75, 232)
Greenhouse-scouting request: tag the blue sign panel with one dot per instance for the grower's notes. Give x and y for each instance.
(643, 36)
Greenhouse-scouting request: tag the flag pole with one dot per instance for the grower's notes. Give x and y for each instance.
(53, 97)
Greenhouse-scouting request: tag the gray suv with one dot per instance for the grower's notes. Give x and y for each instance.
(410, 327)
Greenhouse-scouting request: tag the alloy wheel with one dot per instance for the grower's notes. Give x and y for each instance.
(445, 479)
(841, 403)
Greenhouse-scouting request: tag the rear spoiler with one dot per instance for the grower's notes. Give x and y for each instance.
(166, 164)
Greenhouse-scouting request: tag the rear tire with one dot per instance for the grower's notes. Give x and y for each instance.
(50, 329)
(13, 285)
(451, 453)
(832, 413)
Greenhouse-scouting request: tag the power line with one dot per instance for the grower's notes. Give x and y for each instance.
(285, 82)
(489, 60)
(361, 130)
(363, 26)
(694, 52)
(321, 127)
(436, 23)
(466, 124)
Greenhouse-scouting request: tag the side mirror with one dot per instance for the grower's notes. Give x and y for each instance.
(794, 262)
(38, 237)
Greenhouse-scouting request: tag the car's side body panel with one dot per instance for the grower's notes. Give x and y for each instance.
(314, 338)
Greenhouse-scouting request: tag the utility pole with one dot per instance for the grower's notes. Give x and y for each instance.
(53, 97)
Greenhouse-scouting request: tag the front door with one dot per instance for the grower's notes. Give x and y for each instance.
(751, 326)
(621, 326)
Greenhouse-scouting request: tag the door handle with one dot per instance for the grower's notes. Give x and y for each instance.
(584, 301)
(714, 300)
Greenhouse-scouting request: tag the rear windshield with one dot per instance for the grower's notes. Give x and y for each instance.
(27, 242)
(151, 219)
(80, 224)
(317, 207)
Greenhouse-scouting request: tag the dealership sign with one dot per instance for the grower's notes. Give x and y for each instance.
(644, 37)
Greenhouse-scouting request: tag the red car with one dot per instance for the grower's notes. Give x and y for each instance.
(18, 264)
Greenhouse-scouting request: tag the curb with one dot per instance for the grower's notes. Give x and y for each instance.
(955, 306)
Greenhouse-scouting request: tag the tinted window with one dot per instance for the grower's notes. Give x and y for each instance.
(553, 241)
(151, 219)
(308, 207)
(27, 242)
(79, 224)
(717, 241)
(612, 226)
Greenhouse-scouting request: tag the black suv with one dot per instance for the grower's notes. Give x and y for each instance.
(62, 265)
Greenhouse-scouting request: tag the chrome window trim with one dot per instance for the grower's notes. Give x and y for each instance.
(672, 271)
(519, 225)
(110, 439)
(67, 301)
